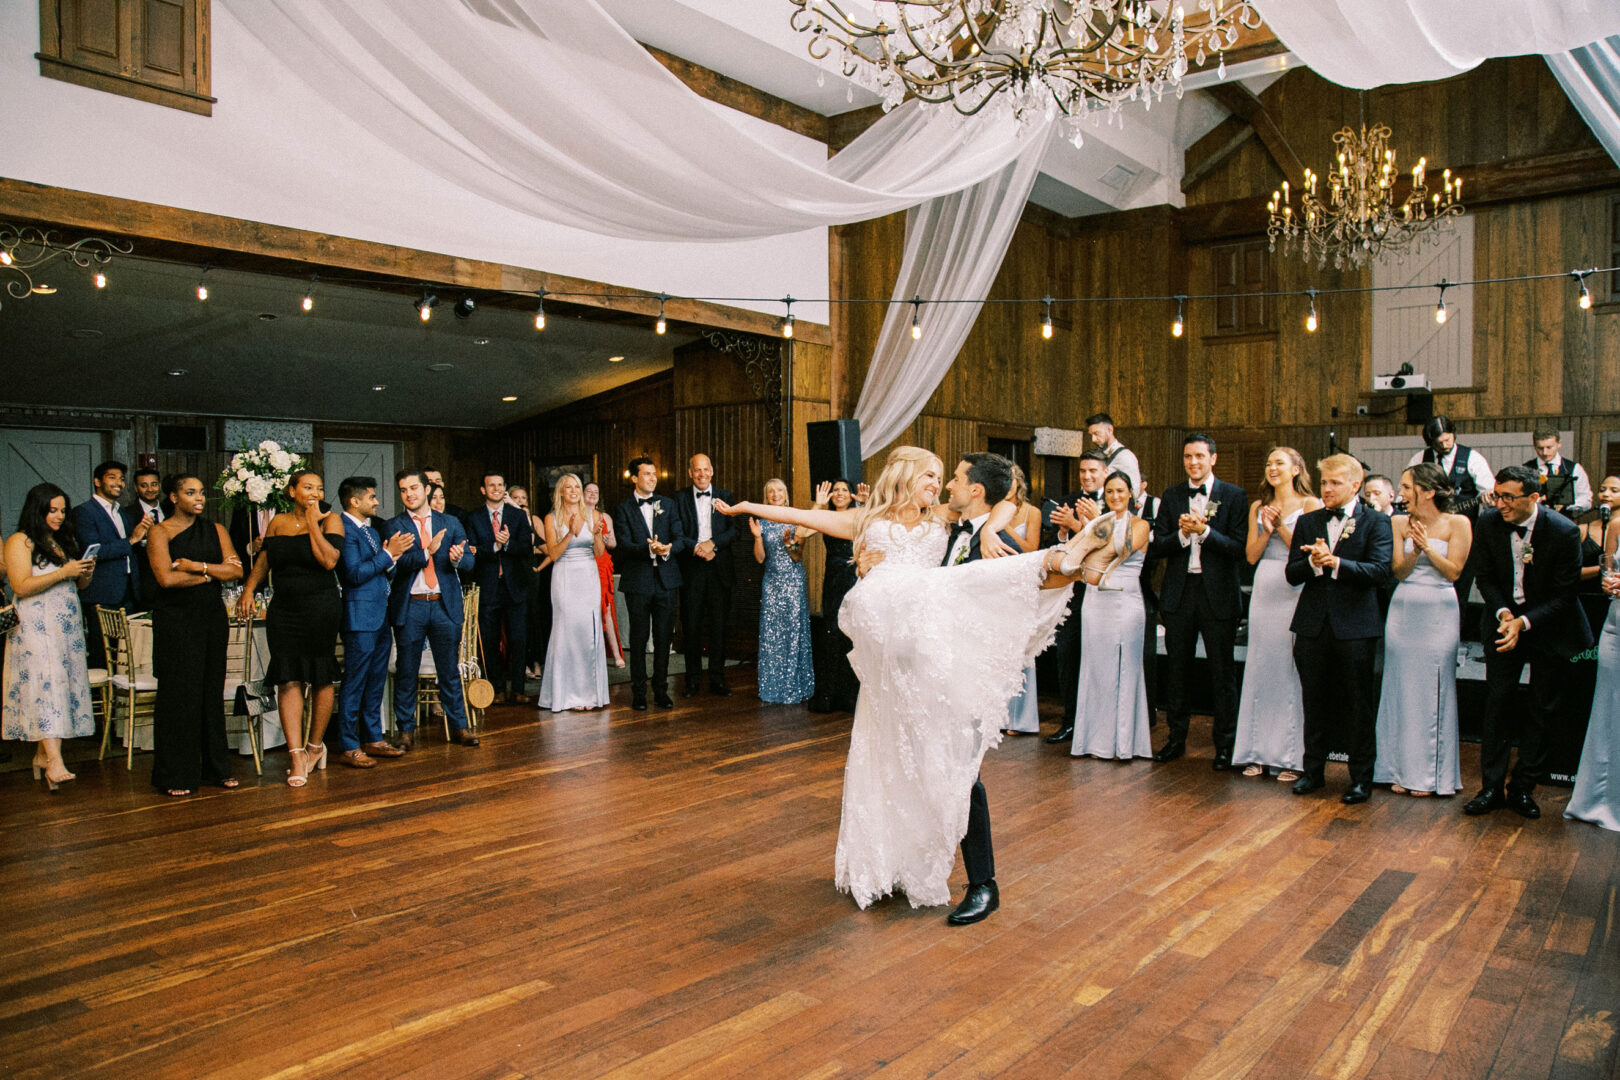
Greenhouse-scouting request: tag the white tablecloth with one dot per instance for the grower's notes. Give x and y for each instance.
(140, 641)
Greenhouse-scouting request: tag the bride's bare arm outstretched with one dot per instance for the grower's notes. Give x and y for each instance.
(829, 522)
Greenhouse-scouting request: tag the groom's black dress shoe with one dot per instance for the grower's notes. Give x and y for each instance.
(977, 905)
(1222, 762)
(1484, 803)
(1522, 804)
(1357, 793)
(1307, 784)
(662, 699)
(1062, 734)
(1171, 751)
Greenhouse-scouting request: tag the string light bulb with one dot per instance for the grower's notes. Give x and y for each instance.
(101, 279)
(202, 287)
(787, 320)
(5, 257)
(1585, 301)
(916, 319)
(1179, 327)
(309, 294)
(540, 312)
(424, 306)
(1440, 312)
(1310, 318)
(661, 325)
(1046, 319)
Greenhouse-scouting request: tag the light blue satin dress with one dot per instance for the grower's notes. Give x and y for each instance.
(1417, 714)
(1596, 797)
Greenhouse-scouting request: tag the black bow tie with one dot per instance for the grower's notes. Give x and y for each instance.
(700, 494)
(1199, 490)
(1521, 530)
(646, 502)
(1336, 513)
(961, 527)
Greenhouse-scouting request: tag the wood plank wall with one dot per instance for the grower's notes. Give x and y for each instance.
(1537, 356)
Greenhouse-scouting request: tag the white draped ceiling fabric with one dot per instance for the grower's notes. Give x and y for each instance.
(548, 107)
(1591, 78)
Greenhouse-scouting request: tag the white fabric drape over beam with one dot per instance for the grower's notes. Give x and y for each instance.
(1591, 78)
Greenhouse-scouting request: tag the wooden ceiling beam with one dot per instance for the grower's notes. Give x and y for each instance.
(1226, 139)
(1244, 104)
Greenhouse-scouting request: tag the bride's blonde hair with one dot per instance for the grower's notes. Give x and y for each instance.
(892, 491)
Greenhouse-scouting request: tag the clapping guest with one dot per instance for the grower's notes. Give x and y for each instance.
(576, 662)
(604, 570)
(1068, 516)
(364, 570)
(1024, 711)
(47, 680)
(101, 521)
(650, 536)
(538, 634)
(190, 558)
(503, 547)
(1417, 711)
(301, 548)
(152, 504)
(1596, 797)
(1271, 709)
(1112, 719)
(707, 575)
(835, 680)
(1595, 534)
(787, 673)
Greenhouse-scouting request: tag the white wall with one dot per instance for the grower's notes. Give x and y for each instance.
(274, 152)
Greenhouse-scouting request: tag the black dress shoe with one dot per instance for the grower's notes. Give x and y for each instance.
(1307, 784)
(1170, 751)
(1522, 804)
(662, 699)
(1356, 793)
(1062, 734)
(638, 703)
(1222, 762)
(463, 737)
(719, 689)
(1484, 803)
(976, 906)
(690, 689)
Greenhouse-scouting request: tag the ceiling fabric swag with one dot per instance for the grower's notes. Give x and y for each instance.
(1366, 43)
(1591, 77)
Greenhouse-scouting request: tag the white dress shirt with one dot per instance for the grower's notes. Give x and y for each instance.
(1196, 505)
(647, 509)
(1517, 544)
(1478, 467)
(959, 547)
(705, 507)
(155, 510)
(1335, 533)
(1126, 463)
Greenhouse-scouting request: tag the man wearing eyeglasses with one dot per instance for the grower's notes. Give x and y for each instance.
(1528, 562)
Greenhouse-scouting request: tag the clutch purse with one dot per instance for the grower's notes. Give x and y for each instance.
(8, 619)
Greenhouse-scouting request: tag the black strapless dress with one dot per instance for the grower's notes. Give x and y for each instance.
(305, 614)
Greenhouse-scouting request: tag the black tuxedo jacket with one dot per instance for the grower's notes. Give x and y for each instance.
(974, 552)
(1222, 549)
(1557, 625)
(506, 570)
(1345, 606)
(1049, 531)
(639, 573)
(722, 529)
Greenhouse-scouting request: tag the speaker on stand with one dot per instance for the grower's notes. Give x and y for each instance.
(835, 451)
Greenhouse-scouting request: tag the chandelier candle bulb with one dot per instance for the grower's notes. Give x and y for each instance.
(101, 280)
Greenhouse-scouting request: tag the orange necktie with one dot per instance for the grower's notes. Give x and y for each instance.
(430, 576)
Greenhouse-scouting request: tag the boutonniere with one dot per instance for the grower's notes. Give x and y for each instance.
(1529, 555)
(658, 510)
(1212, 508)
(1349, 528)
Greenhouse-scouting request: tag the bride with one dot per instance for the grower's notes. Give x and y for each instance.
(939, 652)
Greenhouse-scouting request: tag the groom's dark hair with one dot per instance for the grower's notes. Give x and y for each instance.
(993, 471)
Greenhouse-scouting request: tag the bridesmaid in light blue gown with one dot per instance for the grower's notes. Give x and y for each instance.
(1417, 712)
(787, 670)
(1024, 711)
(1111, 716)
(576, 658)
(1271, 709)
(1596, 797)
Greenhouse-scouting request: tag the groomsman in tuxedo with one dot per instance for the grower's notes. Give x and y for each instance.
(650, 539)
(365, 569)
(503, 542)
(151, 505)
(116, 581)
(1199, 534)
(425, 608)
(1068, 517)
(1342, 556)
(707, 575)
(1528, 565)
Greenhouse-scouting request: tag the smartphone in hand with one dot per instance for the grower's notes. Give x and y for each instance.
(90, 553)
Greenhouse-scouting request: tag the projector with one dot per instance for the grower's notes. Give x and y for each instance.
(1400, 384)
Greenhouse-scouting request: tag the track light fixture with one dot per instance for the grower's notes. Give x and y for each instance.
(465, 307)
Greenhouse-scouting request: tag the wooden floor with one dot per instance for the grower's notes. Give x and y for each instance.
(649, 895)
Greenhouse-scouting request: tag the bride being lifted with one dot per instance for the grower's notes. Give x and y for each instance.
(939, 650)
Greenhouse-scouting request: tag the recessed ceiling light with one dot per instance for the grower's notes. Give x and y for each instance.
(614, 359)
(84, 334)
(380, 386)
(177, 371)
(440, 368)
(43, 289)
(480, 341)
(509, 397)
(268, 316)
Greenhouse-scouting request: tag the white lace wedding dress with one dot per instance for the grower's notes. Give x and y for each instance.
(939, 652)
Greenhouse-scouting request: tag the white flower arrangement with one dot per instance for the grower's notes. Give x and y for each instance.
(259, 477)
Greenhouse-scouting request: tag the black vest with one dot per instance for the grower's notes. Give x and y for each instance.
(1462, 481)
(1566, 467)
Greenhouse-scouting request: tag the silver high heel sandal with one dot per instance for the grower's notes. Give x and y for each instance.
(298, 781)
(319, 756)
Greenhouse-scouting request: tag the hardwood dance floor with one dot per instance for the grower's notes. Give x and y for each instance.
(649, 895)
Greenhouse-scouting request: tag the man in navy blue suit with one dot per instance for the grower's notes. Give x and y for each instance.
(424, 607)
(116, 582)
(1342, 556)
(1199, 535)
(650, 538)
(364, 569)
(503, 547)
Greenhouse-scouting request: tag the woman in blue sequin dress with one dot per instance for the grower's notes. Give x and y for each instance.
(787, 673)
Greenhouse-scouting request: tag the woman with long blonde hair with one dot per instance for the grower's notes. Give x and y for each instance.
(939, 652)
(576, 658)
(787, 673)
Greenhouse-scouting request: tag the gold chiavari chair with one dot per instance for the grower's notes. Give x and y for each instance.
(134, 696)
(427, 681)
(239, 673)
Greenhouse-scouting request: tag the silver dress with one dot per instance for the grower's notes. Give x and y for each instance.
(1111, 717)
(1271, 708)
(1417, 714)
(1596, 797)
(576, 656)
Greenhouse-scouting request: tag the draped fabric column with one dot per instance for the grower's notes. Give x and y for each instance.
(1591, 77)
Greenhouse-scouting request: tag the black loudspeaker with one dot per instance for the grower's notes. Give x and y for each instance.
(1419, 409)
(835, 451)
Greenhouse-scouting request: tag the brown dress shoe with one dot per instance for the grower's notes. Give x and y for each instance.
(407, 740)
(383, 750)
(520, 699)
(463, 737)
(356, 759)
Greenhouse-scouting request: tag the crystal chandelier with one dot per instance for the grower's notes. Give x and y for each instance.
(1033, 56)
(1361, 220)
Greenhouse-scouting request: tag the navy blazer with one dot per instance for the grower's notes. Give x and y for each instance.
(1344, 607)
(364, 569)
(505, 572)
(415, 559)
(639, 573)
(112, 576)
(1222, 548)
(1557, 624)
(722, 529)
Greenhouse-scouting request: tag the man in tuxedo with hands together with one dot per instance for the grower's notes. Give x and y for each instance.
(650, 537)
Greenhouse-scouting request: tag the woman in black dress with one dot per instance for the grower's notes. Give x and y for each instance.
(189, 558)
(834, 676)
(1593, 535)
(301, 548)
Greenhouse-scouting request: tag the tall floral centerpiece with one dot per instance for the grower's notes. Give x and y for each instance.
(258, 478)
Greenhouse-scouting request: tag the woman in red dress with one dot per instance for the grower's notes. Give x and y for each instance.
(604, 566)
